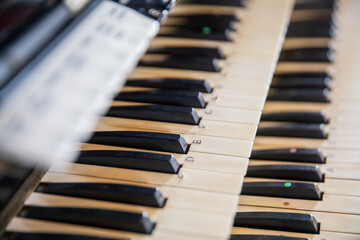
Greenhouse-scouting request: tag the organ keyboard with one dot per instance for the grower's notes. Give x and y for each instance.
(190, 149)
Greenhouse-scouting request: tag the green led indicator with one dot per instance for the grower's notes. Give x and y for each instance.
(206, 30)
(287, 184)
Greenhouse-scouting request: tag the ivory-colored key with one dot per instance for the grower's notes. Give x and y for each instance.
(337, 114)
(306, 14)
(253, 101)
(214, 113)
(291, 67)
(218, 89)
(333, 141)
(293, 43)
(329, 203)
(205, 127)
(177, 197)
(187, 178)
(192, 160)
(204, 144)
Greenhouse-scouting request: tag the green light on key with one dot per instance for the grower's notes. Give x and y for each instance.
(287, 184)
(206, 30)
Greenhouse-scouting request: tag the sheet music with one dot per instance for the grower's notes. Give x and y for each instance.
(57, 104)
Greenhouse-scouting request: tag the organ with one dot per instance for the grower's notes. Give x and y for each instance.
(239, 122)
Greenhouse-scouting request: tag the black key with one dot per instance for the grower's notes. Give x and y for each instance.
(205, 18)
(263, 237)
(111, 219)
(282, 221)
(300, 95)
(172, 84)
(167, 97)
(300, 82)
(145, 196)
(162, 113)
(190, 51)
(295, 130)
(302, 75)
(290, 172)
(206, 33)
(205, 26)
(130, 159)
(143, 140)
(203, 22)
(49, 236)
(318, 4)
(183, 62)
(310, 28)
(308, 155)
(297, 190)
(307, 55)
(231, 3)
(167, 4)
(297, 117)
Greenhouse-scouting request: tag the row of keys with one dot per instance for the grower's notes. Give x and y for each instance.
(307, 182)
